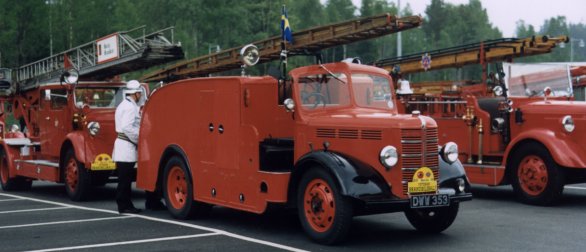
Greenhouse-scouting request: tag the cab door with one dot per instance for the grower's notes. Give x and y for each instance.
(53, 120)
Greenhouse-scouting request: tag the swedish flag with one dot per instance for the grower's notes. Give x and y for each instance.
(285, 28)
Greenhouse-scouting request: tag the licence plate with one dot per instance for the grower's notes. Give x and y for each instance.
(437, 200)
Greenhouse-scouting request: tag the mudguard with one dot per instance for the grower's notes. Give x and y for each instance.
(450, 172)
(356, 179)
(565, 152)
(151, 176)
(77, 141)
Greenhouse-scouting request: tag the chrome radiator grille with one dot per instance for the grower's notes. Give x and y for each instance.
(419, 148)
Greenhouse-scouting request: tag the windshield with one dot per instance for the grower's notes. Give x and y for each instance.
(319, 91)
(332, 90)
(98, 97)
(372, 91)
(529, 80)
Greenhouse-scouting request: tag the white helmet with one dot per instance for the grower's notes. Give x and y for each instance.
(132, 87)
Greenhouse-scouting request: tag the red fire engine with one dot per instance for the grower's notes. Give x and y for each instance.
(64, 129)
(519, 126)
(319, 141)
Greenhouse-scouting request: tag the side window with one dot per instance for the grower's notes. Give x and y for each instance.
(58, 98)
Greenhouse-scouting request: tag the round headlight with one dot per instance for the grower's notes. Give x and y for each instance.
(450, 152)
(568, 123)
(389, 156)
(461, 184)
(93, 128)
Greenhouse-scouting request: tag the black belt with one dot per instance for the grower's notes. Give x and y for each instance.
(125, 138)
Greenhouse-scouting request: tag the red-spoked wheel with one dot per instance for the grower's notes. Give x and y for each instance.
(178, 191)
(325, 214)
(535, 176)
(11, 184)
(77, 178)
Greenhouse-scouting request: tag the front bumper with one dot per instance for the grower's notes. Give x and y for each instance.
(377, 206)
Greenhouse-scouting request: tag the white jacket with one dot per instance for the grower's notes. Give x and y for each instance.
(127, 121)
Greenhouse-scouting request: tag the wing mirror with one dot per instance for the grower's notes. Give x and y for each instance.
(546, 93)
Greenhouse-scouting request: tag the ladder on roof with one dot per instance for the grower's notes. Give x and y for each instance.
(309, 40)
(476, 53)
(117, 53)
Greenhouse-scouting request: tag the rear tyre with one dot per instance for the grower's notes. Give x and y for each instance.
(432, 220)
(77, 178)
(325, 214)
(11, 184)
(178, 191)
(535, 176)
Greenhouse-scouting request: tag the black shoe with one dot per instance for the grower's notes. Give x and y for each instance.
(155, 206)
(131, 210)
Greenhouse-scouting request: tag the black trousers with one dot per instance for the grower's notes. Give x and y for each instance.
(126, 174)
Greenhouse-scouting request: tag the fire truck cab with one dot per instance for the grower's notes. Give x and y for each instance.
(63, 132)
(335, 148)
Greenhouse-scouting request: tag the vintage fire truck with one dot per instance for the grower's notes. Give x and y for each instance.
(63, 129)
(318, 141)
(518, 126)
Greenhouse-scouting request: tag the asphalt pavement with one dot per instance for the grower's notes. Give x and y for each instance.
(43, 219)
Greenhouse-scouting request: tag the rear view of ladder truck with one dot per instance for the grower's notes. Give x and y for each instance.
(319, 140)
(63, 128)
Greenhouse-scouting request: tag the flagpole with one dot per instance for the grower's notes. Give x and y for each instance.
(283, 46)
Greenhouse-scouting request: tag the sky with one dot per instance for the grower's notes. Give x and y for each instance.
(504, 14)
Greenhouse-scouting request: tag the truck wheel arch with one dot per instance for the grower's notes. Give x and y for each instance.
(168, 153)
(511, 154)
(76, 142)
(353, 177)
(563, 152)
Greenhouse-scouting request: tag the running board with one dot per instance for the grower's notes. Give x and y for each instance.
(38, 162)
(38, 169)
(20, 142)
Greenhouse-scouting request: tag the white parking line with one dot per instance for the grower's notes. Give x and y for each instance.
(213, 230)
(576, 187)
(33, 210)
(2, 200)
(64, 222)
(125, 242)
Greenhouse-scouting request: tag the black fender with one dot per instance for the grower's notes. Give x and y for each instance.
(356, 179)
(450, 172)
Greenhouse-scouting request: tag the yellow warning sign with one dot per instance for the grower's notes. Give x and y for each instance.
(103, 162)
(423, 182)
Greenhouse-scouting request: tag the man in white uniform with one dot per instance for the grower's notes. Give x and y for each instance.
(127, 119)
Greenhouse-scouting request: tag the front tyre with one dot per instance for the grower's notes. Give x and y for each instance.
(178, 191)
(432, 220)
(78, 182)
(535, 176)
(325, 214)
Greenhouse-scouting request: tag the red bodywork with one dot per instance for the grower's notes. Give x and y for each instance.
(538, 121)
(219, 125)
(53, 125)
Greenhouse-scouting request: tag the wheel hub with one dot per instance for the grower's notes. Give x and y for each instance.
(177, 187)
(72, 174)
(319, 205)
(533, 176)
